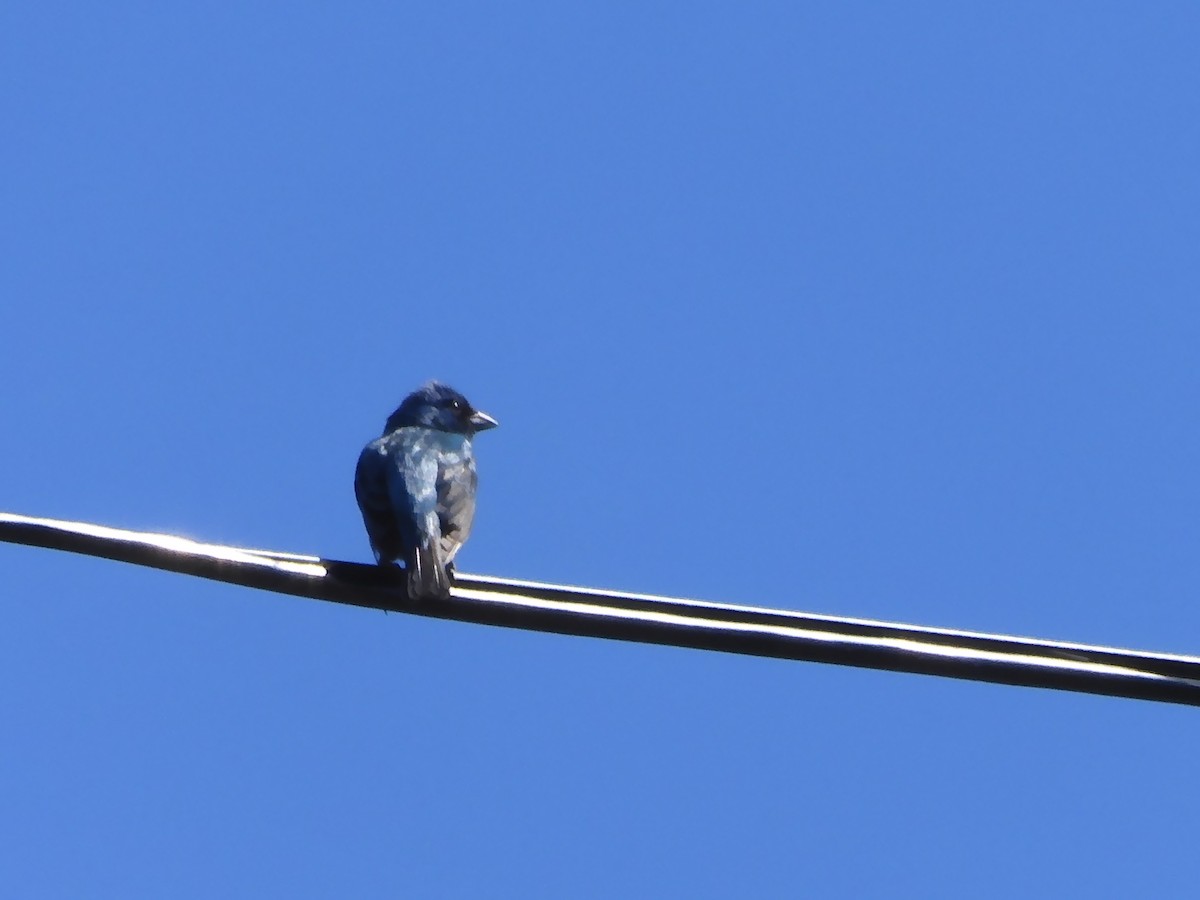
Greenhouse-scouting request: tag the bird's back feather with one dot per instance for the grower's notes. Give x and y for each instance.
(416, 489)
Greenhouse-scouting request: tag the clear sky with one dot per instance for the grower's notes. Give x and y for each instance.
(883, 310)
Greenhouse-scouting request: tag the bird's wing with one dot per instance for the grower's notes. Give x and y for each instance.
(371, 491)
(457, 482)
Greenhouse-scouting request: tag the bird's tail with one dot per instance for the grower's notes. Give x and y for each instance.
(427, 578)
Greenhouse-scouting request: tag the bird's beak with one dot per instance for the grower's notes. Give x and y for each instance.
(481, 421)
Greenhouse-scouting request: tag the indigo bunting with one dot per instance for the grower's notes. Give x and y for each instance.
(416, 486)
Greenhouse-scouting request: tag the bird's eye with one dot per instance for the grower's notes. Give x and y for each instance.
(456, 404)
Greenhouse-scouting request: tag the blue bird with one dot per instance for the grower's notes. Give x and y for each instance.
(416, 486)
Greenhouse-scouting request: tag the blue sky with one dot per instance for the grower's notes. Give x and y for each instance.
(884, 311)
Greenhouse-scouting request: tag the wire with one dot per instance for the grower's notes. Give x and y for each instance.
(647, 619)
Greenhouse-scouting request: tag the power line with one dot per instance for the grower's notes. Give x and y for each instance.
(647, 619)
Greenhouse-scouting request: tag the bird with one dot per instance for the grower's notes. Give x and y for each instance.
(416, 483)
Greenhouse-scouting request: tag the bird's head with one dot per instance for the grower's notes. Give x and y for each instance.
(439, 406)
